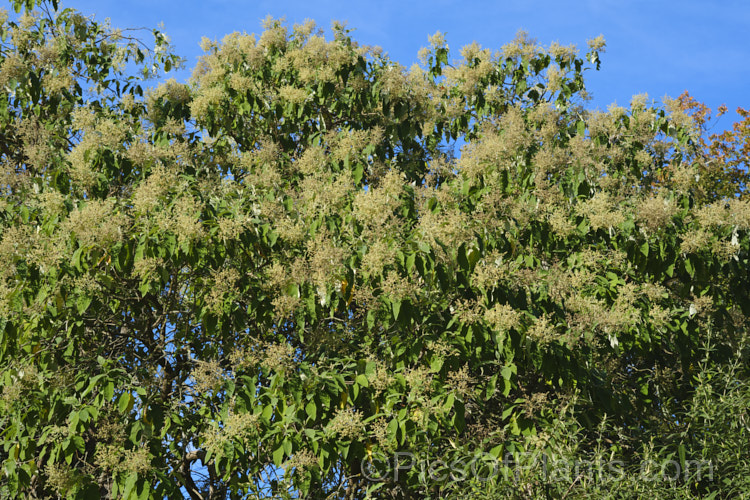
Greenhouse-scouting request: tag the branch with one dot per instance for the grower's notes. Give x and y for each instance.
(187, 478)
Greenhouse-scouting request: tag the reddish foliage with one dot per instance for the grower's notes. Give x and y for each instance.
(725, 161)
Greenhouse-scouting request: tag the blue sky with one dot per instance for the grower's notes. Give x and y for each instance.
(657, 47)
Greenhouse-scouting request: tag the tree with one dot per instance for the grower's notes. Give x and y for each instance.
(723, 165)
(282, 278)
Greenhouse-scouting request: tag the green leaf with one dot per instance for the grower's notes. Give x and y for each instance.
(448, 405)
(312, 410)
(392, 430)
(278, 454)
(79, 444)
(507, 371)
(644, 248)
(76, 259)
(581, 127)
(410, 262)
(506, 387)
(125, 402)
(144, 490)
(396, 307)
(491, 387)
(436, 364)
(681, 453)
(458, 417)
(129, 485)
(267, 412)
(109, 390)
(689, 267)
(357, 174)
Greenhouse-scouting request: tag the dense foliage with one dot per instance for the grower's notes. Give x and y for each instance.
(312, 272)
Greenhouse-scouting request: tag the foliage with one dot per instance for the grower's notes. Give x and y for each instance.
(267, 280)
(723, 166)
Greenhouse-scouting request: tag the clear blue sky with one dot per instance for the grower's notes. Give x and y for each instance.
(657, 47)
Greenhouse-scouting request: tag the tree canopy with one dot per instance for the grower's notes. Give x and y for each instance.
(312, 272)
